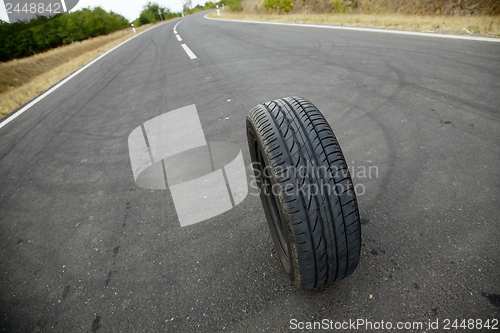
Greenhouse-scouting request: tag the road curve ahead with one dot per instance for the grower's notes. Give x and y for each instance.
(84, 249)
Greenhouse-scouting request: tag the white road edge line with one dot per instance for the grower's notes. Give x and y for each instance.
(178, 38)
(387, 31)
(189, 52)
(57, 86)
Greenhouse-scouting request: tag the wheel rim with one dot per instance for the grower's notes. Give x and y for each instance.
(271, 201)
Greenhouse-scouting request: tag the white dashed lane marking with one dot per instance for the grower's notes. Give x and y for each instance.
(189, 52)
(184, 46)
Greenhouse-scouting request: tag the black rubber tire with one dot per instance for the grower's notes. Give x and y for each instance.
(306, 191)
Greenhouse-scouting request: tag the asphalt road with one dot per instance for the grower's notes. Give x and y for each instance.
(83, 248)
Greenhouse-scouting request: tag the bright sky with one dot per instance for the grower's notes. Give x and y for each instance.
(128, 8)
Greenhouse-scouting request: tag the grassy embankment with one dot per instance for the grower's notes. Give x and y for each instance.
(23, 79)
(473, 17)
(471, 25)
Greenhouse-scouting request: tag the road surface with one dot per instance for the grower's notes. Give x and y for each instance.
(84, 249)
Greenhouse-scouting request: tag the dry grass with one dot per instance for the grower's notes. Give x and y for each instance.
(464, 25)
(408, 7)
(23, 79)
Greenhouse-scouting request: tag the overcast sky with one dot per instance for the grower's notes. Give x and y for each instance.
(128, 8)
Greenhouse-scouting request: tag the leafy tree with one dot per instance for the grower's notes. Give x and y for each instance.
(279, 5)
(209, 5)
(186, 9)
(150, 14)
(234, 5)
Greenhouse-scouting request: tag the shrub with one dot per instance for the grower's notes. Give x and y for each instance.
(282, 6)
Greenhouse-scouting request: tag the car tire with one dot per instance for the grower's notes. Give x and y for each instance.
(306, 191)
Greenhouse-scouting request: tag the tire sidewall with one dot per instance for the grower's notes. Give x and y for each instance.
(287, 261)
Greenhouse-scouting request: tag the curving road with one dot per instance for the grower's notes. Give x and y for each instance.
(83, 248)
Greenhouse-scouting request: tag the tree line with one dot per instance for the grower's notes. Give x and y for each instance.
(22, 39)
